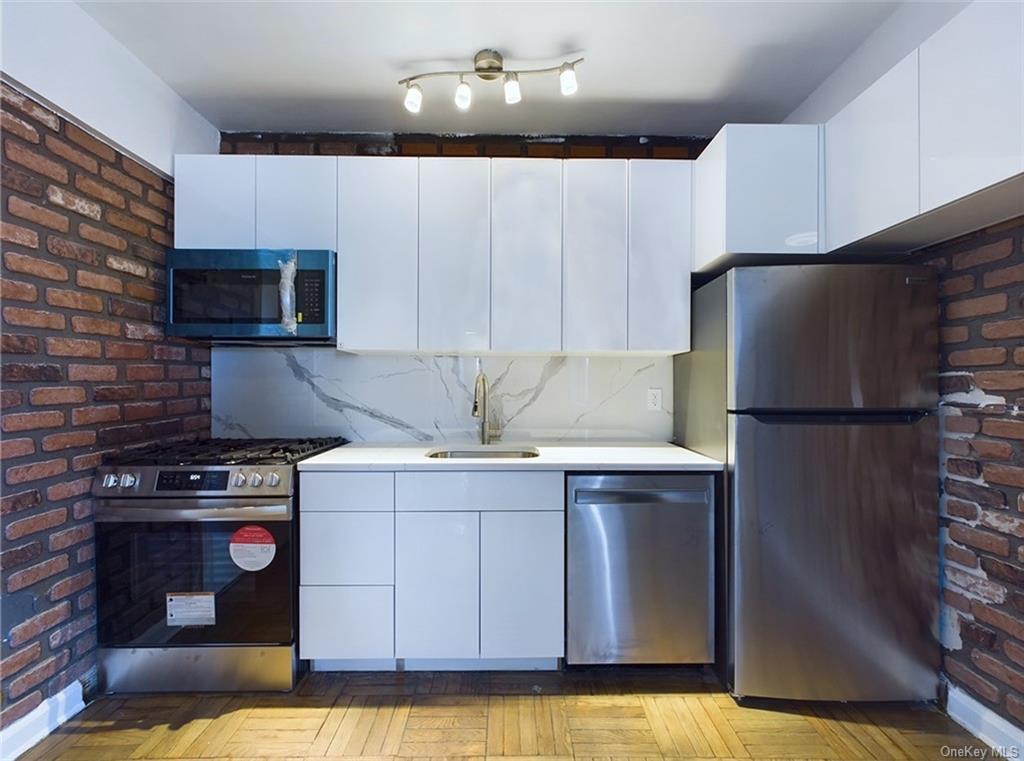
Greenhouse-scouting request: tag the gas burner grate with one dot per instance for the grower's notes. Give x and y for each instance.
(227, 452)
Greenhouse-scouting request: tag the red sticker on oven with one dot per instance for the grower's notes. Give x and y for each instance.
(252, 548)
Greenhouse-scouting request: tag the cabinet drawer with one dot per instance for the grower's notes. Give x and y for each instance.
(347, 548)
(336, 492)
(480, 490)
(346, 622)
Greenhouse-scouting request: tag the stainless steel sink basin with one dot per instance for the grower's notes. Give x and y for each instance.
(488, 452)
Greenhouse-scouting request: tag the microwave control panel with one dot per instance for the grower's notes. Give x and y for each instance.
(309, 296)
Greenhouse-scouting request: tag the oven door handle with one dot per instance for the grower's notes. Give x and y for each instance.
(107, 513)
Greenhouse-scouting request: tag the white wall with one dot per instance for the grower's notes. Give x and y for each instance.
(908, 26)
(58, 52)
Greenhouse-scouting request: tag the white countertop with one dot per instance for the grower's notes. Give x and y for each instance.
(569, 456)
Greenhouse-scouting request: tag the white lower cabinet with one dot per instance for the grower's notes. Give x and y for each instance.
(522, 603)
(346, 622)
(347, 548)
(437, 585)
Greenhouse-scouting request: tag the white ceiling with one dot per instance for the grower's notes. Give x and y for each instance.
(669, 68)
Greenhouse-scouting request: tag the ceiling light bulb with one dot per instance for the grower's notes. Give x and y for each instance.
(463, 95)
(512, 94)
(413, 99)
(567, 79)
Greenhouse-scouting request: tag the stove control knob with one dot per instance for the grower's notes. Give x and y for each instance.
(273, 479)
(238, 480)
(255, 480)
(128, 480)
(110, 481)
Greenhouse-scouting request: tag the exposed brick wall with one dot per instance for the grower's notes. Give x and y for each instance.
(86, 370)
(567, 146)
(982, 406)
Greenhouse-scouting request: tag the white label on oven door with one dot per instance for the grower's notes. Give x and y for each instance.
(191, 609)
(252, 548)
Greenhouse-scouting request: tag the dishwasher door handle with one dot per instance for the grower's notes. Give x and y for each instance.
(640, 496)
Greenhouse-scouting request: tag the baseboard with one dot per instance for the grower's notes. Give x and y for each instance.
(354, 664)
(435, 664)
(985, 724)
(41, 721)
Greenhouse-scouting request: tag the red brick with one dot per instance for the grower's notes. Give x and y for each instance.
(1015, 707)
(183, 372)
(74, 628)
(144, 292)
(16, 661)
(13, 125)
(195, 388)
(121, 180)
(78, 252)
(25, 105)
(73, 347)
(102, 237)
(86, 461)
(121, 434)
(143, 331)
(20, 708)
(981, 540)
(92, 373)
(1003, 277)
(69, 153)
(139, 172)
(143, 411)
(954, 335)
(31, 265)
(960, 509)
(1004, 475)
(996, 331)
(36, 676)
(976, 307)
(159, 200)
(90, 143)
(126, 222)
(147, 212)
(20, 236)
(87, 279)
(33, 318)
(992, 252)
(16, 556)
(9, 398)
(100, 191)
(17, 372)
(95, 326)
(1000, 380)
(128, 266)
(1008, 675)
(120, 350)
(972, 681)
(36, 573)
(182, 406)
(114, 393)
(11, 448)
(1003, 428)
(35, 523)
(173, 353)
(57, 395)
(35, 162)
(144, 372)
(131, 309)
(960, 424)
(1014, 651)
(69, 537)
(159, 390)
(17, 290)
(20, 181)
(34, 471)
(959, 467)
(57, 441)
(960, 555)
(992, 450)
(29, 421)
(1003, 621)
(23, 500)
(73, 202)
(990, 355)
(101, 413)
(67, 299)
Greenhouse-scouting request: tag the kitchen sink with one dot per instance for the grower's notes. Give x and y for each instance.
(472, 454)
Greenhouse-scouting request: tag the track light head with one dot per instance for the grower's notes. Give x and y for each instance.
(512, 93)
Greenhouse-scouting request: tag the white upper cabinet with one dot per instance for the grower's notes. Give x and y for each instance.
(297, 202)
(872, 166)
(594, 246)
(214, 201)
(756, 191)
(972, 102)
(526, 255)
(659, 255)
(377, 253)
(454, 254)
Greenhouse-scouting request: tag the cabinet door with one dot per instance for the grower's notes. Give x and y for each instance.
(659, 255)
(972, 102)
(346, 622)
(594, 250)
(526, 255)
(347, 548)
(377, 253)
(871, 158)
(437, 585)
(522, 605)
(296, 202)
(214, 201)
(454, 287)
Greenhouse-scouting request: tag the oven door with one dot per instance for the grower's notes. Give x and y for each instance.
(238, 294)
(179, 572)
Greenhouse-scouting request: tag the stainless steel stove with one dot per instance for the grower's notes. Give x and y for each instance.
(197, 565)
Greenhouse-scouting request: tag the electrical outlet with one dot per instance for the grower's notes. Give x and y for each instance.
(653, 399)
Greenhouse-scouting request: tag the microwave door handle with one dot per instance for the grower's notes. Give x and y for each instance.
(286, 290)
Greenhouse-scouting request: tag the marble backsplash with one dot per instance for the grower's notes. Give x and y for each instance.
(320, 392)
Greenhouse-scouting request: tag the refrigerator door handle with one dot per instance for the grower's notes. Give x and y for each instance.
(896, 417)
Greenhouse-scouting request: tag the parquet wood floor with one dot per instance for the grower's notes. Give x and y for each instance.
(599, 715)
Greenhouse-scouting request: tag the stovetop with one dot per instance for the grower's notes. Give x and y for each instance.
(227, 452)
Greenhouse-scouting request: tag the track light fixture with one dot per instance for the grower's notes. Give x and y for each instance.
(489, 65)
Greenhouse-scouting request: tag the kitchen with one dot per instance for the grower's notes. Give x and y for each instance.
(608, 410)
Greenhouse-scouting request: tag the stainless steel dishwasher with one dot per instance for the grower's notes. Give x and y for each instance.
(639, 578)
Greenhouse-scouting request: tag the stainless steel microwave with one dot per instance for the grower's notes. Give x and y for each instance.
(243, 295)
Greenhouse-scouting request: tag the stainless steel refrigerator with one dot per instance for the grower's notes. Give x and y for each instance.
(817, 385)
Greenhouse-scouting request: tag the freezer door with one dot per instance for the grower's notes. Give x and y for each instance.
(834, 559)
(833, 336)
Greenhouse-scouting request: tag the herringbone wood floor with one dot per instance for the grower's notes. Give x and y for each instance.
(608, 715)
